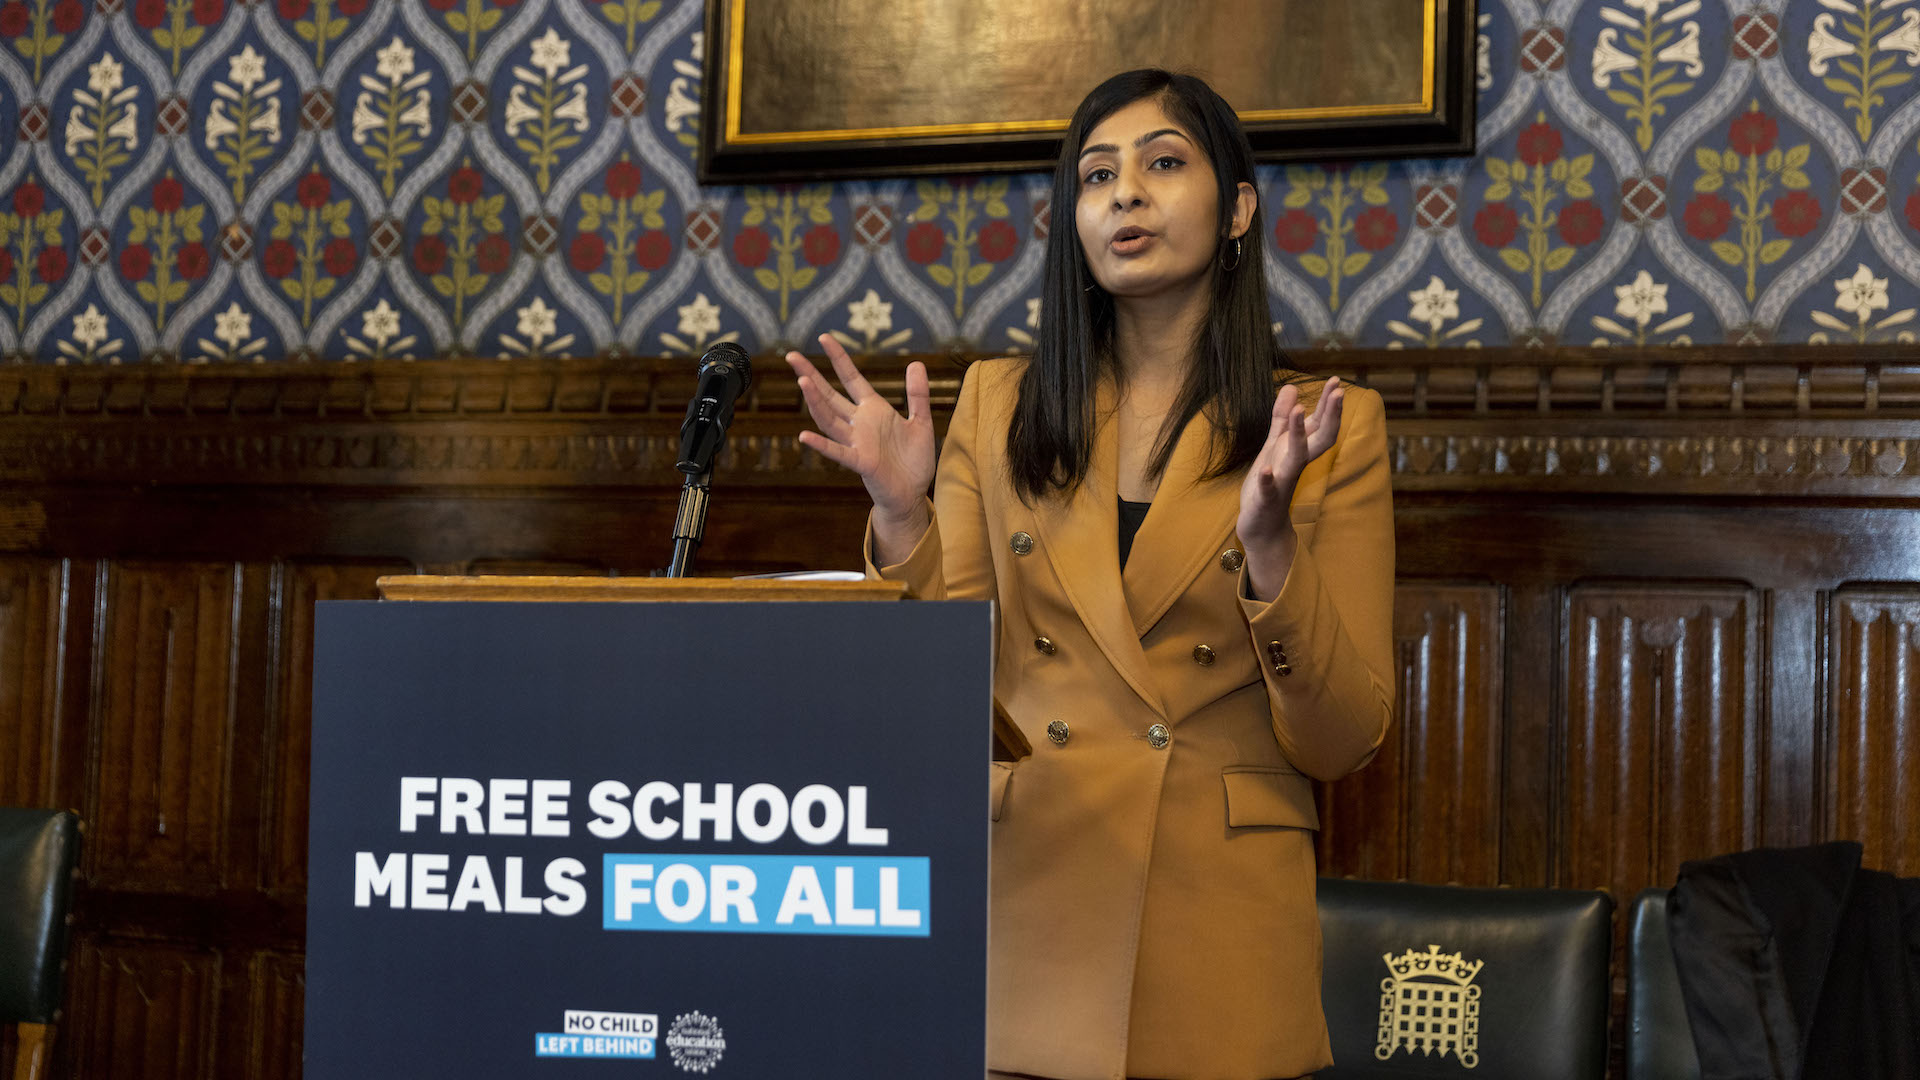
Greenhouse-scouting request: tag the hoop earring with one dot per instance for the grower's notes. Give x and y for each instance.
(1231, 266)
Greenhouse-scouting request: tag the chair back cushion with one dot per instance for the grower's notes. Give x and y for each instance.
(1659, 1039)
(1479, 984)
(38, 851)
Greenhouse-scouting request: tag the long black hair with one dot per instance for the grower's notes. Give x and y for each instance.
(1050, 442)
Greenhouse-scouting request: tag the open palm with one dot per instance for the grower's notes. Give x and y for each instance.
(861, 430)
(1295, 439)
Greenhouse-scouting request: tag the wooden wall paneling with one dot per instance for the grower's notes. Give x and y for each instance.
(1531, 831)
(141, 1011)
(1794, 713)
(758, 531)
(1454, 753)
(749, 530)
(1627, 720)
(536, 568)
(1872, 782)
(32, 625)
(74, 758)
(1662, 730)
(1427, 807)
(1660, 740)
(249, 729)
(276, 1017)
(163, 701)
(298, 586)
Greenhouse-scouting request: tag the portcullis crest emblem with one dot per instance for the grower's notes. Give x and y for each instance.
(1429, 1005)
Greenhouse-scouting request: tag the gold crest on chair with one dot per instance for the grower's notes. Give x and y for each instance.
(1429, 1005)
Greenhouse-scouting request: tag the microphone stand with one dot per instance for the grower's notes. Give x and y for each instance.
(690, 523)
(725, 373)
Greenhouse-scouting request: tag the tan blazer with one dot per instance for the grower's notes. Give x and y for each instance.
(1153, 870)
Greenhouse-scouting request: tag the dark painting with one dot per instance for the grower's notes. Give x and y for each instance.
(845, 87)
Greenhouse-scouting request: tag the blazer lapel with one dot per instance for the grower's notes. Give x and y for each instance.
(1185, 529)
(1081, 537)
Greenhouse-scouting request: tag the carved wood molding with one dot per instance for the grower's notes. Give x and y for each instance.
(1810, 458)
(1804, 421)
(1799, 380)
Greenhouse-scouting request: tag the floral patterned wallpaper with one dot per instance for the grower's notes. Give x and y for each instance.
(219, 180)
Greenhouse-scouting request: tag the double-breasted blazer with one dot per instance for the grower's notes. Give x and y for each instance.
(1152, 863)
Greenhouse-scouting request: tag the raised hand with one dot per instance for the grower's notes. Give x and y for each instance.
(861, 430)
(1294, 440)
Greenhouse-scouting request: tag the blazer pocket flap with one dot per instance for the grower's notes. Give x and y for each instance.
(997, 791)
(1263, 795)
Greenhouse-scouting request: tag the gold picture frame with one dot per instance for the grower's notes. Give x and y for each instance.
(843, 88)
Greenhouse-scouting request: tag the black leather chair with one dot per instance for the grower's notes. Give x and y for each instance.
(1438, 980)
(38, 852)
(1659, 1039)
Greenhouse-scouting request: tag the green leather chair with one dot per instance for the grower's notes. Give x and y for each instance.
(38, 852)
(1659, 1037)
(1424, 981)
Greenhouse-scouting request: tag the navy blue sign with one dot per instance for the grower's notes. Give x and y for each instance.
(594, 840)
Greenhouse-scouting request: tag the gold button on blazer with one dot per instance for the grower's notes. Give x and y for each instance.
(1153, 907)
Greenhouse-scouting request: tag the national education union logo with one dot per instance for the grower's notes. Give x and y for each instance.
(696, 1042)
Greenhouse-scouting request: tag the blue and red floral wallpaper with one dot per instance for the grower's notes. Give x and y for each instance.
(218, 180)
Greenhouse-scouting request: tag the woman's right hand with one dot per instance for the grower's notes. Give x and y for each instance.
(893, 454)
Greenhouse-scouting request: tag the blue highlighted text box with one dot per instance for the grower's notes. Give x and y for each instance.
(549, 1044)
(865, 895)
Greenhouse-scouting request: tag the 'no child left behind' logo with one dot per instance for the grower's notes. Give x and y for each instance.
(586, 1034)
(696, 1042)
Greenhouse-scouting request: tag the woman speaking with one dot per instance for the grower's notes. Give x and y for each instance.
(1194, 588)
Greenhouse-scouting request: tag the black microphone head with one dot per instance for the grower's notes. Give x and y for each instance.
(732, 355)
(725, 374)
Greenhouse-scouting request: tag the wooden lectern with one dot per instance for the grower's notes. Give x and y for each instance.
(1008, 742)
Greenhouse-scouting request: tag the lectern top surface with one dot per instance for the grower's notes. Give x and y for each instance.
(600, 589)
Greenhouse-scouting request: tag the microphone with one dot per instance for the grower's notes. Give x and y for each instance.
(725, 374)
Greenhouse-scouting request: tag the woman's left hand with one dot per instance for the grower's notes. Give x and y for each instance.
(1294, 440)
